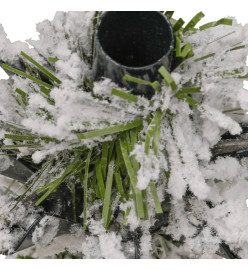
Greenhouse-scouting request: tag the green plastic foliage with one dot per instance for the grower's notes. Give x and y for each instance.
(124, 95)
(41, 68)
(213, 24)
(109, 130)
(25, 75)
(193, 22)
(107, 195)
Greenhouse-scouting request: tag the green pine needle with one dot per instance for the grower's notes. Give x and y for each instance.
(169, 14)
(157, 204)
(205, 57)
(41, 68)
(14, 146)
(43, 169)
(178, 47)
(126, 214)
(190, 90)
(156, 139)
(53, 59)
(238, 48)
(45, 91)
(104, 158)
(154, 125)
(155, 85)
(23, 74)
(133, 178)
(19, 137)
(22, 93)
(213, 24)
(145, 205)
(119, 184)
(124, 95)
(167, 78)
(109, 130)
(193, 22)
(100, 179)
(178, 25)
(186, 50)
(68, 172)
(86, 172)
(119, 159)
(107, 196)
(233, 110)
(73, 192)
(192, 102)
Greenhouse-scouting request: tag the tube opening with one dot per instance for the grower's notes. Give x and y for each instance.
(135, 38)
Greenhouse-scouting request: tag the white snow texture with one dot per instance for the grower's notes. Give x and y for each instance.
(215, 210)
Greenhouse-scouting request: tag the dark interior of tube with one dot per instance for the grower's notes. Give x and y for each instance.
(135, 38)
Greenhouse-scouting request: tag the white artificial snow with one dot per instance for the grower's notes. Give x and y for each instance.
(177, 184)
(110, 246)
(146, 245)
(10, 51)
(45, 231)
(185, 146)
(222, 120)
(107, 246)
(224, 169)
(149, 166)
(5, 163)
(90, 248)
(190, 168)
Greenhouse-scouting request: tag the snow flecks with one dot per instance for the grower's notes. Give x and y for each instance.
(204, 246)
(146, 245)
(177, 184)
(231, 215)
(221, 119)
(110, 246)
(72, 68)
(183, 163)
(210, 132)
(10, 51)
(123, 107)
(8, 103)
(43, 128)
(166, 102)
(68, 31)
(242, 98)
(45, 232)
(195, 143)
(208, 198)
(149, 166)
(224, 169)
(36, 101)
(91, 248)
(103, 87)
(179, 225)
(5, 163)
(190, 168)
(132, 219)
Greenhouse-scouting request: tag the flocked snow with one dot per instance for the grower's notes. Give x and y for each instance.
(185, 146)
